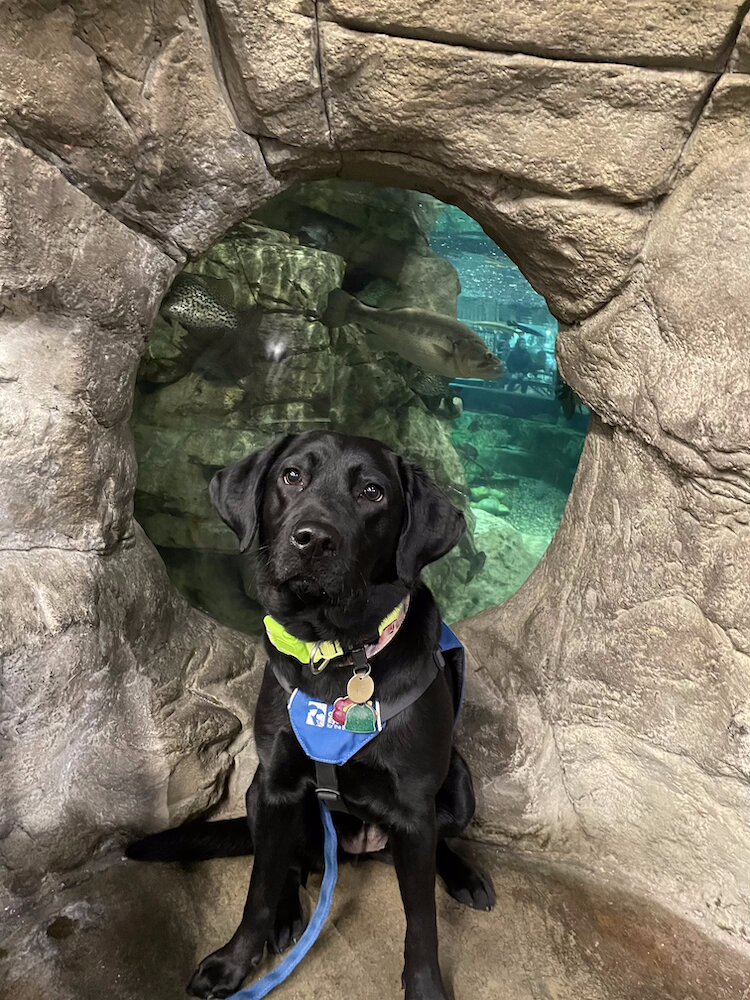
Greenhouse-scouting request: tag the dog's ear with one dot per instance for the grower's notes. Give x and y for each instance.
(237, 491)
(431, 526)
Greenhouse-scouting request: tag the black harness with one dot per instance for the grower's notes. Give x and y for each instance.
(450, 655)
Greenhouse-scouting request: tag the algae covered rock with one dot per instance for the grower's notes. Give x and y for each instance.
(493, 505)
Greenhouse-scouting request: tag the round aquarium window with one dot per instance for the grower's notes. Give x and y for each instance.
(326, 310)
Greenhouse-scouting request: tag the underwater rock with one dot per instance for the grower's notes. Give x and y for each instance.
(401, 215)
(480, 493)
(499, 449)
(507, 564)
(492, 505)
(389, 264)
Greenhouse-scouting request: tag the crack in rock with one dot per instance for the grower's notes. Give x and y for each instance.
(473, 44)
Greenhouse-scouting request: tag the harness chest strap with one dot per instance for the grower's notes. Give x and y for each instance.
(326, 775)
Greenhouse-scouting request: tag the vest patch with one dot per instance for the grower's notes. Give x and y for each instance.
(332, 734)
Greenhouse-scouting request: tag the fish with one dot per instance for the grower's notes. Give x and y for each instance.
(568, 398)
(430, 386)
(192, 303)
(470, 454)
(435, 343)
(436, 393)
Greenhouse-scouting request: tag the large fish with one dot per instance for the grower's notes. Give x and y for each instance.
(568, 398)
(434, 343)
(192, 303)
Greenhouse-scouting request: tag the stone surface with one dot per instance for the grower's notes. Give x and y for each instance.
(112, 109)
(134, 931)
(76, 288)
(646, 711)
(61, 253)
(577, 252)
(269, 52)
(741, 55)
(723, 124)
(68, 468)
(562, 127)
(109, 678)
(644, 339)
(645, 32)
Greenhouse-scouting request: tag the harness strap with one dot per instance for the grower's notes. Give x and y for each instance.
(283, 682)
(389, 709)
(327, 787)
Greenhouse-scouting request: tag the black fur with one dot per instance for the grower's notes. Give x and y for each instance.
(333, 558)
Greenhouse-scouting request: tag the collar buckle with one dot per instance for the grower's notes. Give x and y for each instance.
(359, 660)
(317, 668)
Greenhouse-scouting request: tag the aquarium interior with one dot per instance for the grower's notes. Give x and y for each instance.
(244, 348)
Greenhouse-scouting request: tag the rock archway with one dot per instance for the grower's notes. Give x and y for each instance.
(608, 152)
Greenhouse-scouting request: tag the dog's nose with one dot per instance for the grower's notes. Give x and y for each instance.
(313, 538)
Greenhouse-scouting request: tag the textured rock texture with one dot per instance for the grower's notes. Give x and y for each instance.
(129, 931)
(607, 147)
(651, 32)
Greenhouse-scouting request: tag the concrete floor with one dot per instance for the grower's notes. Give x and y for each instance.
(126, 931)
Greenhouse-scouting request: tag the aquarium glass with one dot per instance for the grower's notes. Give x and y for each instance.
(327, 310)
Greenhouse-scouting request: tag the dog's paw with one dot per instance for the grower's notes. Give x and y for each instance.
(468, 885)
(289, 924)
(221, 974)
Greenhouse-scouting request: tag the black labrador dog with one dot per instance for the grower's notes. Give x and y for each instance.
(345, 527)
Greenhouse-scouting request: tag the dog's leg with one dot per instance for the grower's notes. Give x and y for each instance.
(277, 832)
(414, 858)
(290, 920)
(455, 810)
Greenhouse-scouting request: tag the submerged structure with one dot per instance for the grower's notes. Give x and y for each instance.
(606, 151)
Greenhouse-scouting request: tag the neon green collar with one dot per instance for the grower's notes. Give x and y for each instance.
(329, 649)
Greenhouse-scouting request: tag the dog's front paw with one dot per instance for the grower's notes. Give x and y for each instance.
(289, 923)
(222, 973)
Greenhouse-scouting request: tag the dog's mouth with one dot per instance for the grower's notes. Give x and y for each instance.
(306, 586)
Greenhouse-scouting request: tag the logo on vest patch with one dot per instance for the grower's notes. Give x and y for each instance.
(317, 712)
(321, 716)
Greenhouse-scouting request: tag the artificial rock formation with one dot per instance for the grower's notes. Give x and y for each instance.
(607, 149)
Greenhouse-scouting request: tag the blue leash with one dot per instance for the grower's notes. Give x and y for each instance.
(282, 971)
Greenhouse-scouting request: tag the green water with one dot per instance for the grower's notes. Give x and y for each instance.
(520, 451)
(218, 382)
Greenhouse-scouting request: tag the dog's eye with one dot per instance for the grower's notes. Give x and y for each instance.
(292, 477)
(372, 492)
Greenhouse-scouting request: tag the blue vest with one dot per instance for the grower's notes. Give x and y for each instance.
(325, 740)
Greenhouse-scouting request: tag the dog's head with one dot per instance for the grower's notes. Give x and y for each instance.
(336, 517)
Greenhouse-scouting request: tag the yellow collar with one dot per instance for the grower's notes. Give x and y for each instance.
(329, 649)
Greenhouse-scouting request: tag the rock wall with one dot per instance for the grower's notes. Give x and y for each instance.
(607, 149)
